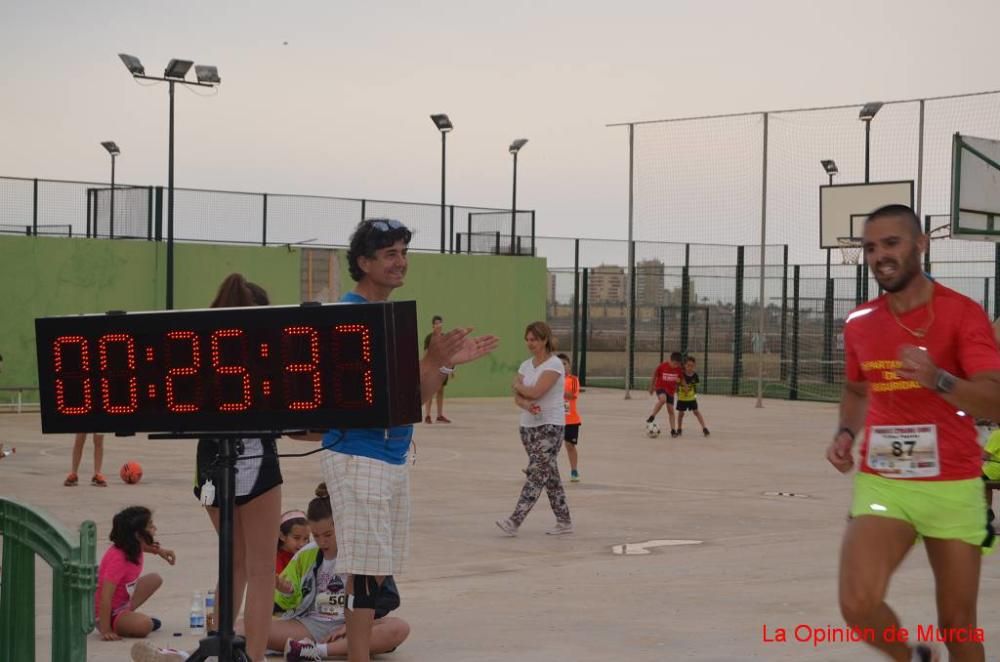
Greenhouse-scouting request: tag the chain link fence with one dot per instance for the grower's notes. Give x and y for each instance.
(38, 206)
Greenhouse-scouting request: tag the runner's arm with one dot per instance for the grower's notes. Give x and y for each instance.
(853, 406)
(978, 397)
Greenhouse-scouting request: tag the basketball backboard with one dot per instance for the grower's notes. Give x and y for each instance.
(843, 208)
(975, 188)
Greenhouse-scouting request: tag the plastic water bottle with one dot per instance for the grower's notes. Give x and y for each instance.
(6, 453)
(210, 610)
(197, 614)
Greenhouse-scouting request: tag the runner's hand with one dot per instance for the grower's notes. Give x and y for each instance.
(918, 366)
(839, 452)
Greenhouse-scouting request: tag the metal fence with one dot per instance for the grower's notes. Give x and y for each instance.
(36, 206)
(703, 300)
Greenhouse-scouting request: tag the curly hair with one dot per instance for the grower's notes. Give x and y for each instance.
(371, 235)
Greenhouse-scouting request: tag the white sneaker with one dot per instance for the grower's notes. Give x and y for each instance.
(301, 651)
(507, 526)
(560, 528)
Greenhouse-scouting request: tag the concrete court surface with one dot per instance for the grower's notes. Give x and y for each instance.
(472, 594)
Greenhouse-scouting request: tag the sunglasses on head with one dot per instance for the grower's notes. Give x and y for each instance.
(386, 226)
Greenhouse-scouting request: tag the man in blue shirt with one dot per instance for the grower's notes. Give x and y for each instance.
(366, 470)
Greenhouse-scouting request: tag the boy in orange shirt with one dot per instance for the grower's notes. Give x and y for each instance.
(571, 431)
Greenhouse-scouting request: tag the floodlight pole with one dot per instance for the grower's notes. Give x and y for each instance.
(761, 325)
(629, 280)
(868, 144)
(513, 208)
(139, 74)
(111, 222)
(170, 204)
(444, 136)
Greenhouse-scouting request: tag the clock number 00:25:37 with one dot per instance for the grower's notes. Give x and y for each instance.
(175, 341)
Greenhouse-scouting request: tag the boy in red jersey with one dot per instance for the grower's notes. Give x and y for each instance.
(922, 365)
(664, 384)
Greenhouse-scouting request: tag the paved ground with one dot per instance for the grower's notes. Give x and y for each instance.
(474, 595)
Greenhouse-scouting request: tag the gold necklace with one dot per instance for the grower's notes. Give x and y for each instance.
(919, 332)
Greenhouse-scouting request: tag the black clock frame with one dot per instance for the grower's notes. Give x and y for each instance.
(394, 367)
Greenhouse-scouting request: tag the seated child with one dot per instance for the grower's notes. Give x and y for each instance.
(312, 598)
(293, 535)
(121, 586)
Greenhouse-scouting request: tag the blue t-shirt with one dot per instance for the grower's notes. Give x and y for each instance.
(386, 444)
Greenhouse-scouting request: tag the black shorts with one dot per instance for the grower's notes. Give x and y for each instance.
(571, 433)
(257, 469)
(670, 396)
(687, 405)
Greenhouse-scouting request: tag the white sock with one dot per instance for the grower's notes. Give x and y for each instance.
(321, 649)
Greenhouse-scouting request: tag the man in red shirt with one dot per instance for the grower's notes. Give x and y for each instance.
(664, 383)
(922, 365)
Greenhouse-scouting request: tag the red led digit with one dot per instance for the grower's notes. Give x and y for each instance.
(231, 370)
(190, 338)
(131, 383)
(65, 377)
(360, 364)
(311, 368)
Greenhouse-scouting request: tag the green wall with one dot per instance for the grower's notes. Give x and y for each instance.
(46, 276)
(492, 294)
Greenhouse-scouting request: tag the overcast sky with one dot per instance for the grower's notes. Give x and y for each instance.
(333, 97)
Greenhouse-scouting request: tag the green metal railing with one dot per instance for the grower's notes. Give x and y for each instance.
(28, 532)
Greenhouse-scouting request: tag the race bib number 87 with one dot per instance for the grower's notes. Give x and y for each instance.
(904, 451)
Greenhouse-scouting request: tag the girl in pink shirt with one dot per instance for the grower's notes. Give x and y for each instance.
(121, 586)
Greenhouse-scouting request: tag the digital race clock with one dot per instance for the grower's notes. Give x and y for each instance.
(262, 369)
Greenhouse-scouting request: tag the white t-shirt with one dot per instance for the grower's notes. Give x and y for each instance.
(551, 402)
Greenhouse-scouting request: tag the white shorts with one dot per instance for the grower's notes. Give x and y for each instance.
(371, 513)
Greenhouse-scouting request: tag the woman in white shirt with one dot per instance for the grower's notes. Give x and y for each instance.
(538, 391)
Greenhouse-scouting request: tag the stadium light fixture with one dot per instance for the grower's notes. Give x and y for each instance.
(133, 64)
(443, 125)
(867, 114)
(177, 69)
(442, 122)
(869, 110)
(208, 76)
(207, 73)
(114, 152)
(830, 167)
(514, 148)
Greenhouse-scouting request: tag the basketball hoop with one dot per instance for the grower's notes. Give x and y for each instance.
(850, 249)
(940, 232)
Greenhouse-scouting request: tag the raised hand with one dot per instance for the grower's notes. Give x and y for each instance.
(457, 347)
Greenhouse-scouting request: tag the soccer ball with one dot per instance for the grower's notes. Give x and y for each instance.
(652, 430)
(131, 472)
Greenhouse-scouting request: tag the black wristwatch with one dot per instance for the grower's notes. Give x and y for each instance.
(945, 382)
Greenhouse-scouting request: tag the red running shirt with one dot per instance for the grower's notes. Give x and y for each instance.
(959, 340)
(667, 377)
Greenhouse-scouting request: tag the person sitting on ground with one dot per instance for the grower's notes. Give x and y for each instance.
(121, 586)
(293, 535)
(312, 598)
